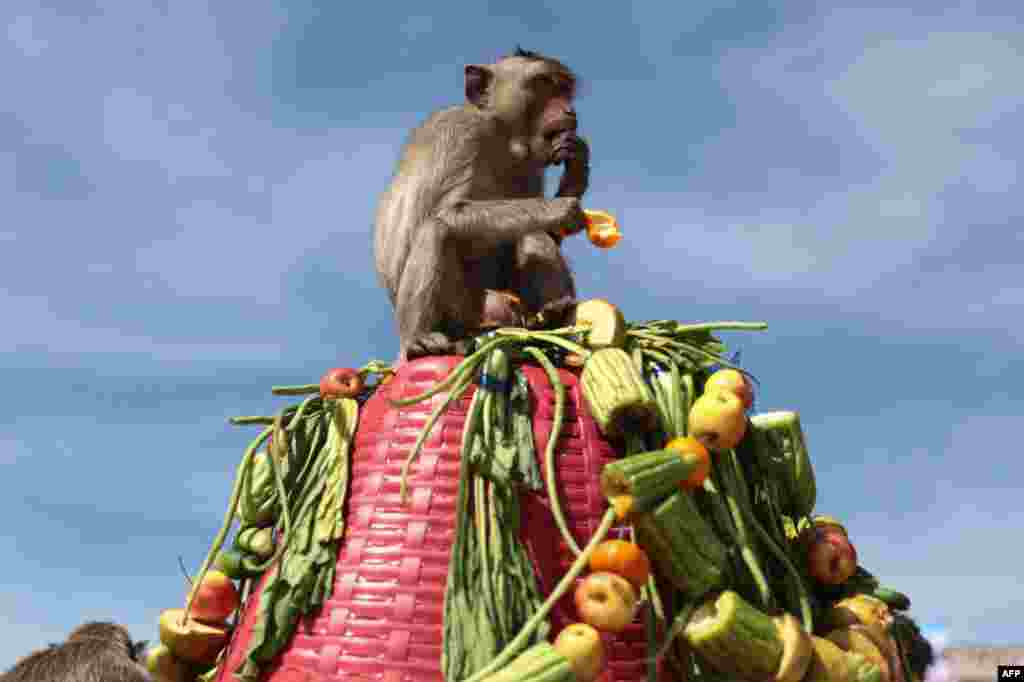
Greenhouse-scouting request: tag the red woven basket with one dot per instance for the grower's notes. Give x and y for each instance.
(383, 620)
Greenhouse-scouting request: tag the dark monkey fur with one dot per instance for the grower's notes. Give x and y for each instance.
(93, 652)
(466, 209)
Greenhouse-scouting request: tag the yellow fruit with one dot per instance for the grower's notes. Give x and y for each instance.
(606, 601)
(192, 641)
(858, 639)
(825, 522)
(165, 667)
(581, 644)
(862, 609)
(797, 649)
(717, 419)
(607, 324)
(731, 380)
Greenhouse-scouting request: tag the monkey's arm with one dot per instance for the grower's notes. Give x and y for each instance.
(487, 224)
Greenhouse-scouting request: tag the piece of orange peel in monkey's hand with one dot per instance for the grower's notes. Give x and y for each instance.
(602, 228)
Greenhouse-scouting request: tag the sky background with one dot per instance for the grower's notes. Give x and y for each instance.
(188, 191)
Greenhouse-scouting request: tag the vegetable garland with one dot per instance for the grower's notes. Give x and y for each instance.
(493, 607)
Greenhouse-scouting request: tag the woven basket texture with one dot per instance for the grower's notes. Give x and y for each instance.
(382, 622)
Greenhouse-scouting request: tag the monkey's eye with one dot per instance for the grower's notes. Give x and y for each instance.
(541, 81)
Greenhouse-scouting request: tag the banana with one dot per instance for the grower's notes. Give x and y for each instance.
(796, 649)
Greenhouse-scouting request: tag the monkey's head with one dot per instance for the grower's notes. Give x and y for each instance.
(532, 97)
(115, 636)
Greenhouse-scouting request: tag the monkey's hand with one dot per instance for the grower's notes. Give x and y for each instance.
(553, 314)
(575, 221)
(575, 153)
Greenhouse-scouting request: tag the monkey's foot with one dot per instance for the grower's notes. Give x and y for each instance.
(556, 313)
(436, 343)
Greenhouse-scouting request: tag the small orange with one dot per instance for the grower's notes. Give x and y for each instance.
(624, 558)
(602, 229)
(692, 451)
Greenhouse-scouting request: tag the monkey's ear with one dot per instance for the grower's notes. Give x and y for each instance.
(478, 79)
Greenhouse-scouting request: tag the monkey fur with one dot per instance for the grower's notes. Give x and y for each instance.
(93, 652)
(465, 211)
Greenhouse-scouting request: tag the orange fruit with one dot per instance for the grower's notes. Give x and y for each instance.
(692, 450)
(602, 228)
(624, 558)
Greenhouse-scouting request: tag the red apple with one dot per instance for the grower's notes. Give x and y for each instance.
(606, 601)
(732, 380)
(831, 559)
(341, 382)
(216, 599)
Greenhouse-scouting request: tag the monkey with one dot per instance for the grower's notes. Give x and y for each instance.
(465, 210)
(93, 652)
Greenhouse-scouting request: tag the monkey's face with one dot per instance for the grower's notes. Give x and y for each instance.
(557, 128)
(534, 99)
(553, 114)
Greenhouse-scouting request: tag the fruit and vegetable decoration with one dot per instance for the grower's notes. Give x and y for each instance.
(718, 547)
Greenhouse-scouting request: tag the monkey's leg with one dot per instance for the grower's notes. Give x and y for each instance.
(543, 279)
(434, 305)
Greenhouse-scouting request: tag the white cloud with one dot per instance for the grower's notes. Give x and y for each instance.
(196, 193)
(21, 31)
(135, 129)
(865, 141)
(39, 328)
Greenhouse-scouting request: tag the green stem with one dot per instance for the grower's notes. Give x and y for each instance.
(487, 407)
(304, 389)
(481, 513)
(549, 450)
(688, 389)
(513, 647)
(549, 338)
(376, 367)
(229, 518)
(251, 421)
(283, 497)
(713, 326)
(652, 643)
(299, 413)
(730, 492)
(718, 359)
(797, 582)
(466, 366)
(682, 617)
(719, 510)
(456, 393)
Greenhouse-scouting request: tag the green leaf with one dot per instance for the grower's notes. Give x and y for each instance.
(330, 517)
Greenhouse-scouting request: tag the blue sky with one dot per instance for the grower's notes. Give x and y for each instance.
(187, 194)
